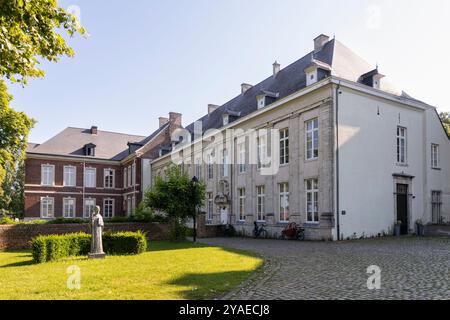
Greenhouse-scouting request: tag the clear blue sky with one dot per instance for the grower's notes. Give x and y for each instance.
(145, 58)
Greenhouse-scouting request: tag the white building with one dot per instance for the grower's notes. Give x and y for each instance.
(353, 155)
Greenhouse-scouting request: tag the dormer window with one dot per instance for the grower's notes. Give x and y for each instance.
(261, 101)
(226, 119)
(89, 150)
(311, 77)
(266, 98)
(316, 71)
(372, 79)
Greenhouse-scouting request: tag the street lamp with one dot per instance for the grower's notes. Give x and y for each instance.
(194, 185)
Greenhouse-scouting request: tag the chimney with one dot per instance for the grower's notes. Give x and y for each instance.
(245, 87)
(163, 121)
(319, 42)
(94, 130)
(175, 118)
(212, 108)
(276, 68)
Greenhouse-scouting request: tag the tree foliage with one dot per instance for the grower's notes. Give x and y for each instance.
(27, 33)
(177, 195)
(445, 118)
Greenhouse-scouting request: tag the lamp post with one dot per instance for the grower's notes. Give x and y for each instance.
(194, 194)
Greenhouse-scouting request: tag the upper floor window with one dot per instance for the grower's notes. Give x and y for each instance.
(48, 175)
(47, 207)
(210, 167)
(90, 177)
(312, 139)
(241, 157)
(435, 156)
(284, 201)
(284, 146)
(108, 175)
(261, 146)
(241, 204)
(401, 145)
(125, 178)
(225, 163)
(133, 174)
(312, 202)
(260, 203)
(129, 177)
(198, 168)
(70, 176)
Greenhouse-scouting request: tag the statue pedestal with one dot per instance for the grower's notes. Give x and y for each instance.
(96, 255)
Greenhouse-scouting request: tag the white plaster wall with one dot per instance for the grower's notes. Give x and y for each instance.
(367, 162)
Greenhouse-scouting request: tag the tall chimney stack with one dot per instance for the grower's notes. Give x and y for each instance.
(212, 108)
(175, 118)
(276, 68)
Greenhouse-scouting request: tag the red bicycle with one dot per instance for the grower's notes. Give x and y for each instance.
(294, 232)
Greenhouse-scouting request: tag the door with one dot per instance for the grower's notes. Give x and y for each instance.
(402, 207)
(224, 216)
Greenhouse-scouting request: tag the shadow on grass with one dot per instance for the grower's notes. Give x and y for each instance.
(210, 285)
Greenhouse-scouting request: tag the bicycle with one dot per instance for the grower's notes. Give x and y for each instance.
(259, 231)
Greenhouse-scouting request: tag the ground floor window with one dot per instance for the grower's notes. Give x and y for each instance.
(241, 204)
(89, 205)
(312, 195)
(260, 203)
(108, 208)
(436, 204)
(69, 208)
(209, 205)
(47, 207)
(284, 201)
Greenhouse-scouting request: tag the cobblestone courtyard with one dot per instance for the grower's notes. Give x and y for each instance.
(411, 268)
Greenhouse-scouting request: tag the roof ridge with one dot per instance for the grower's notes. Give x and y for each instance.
(107, 131)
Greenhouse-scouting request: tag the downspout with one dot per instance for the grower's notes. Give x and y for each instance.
(338, 226)
(84, 185)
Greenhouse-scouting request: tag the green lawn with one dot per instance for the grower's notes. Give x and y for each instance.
(166, 271)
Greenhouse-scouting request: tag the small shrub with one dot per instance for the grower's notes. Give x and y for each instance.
(7, 220)
(66, 221)
(54, 247)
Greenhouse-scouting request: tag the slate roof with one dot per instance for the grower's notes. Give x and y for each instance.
(344, 63)
(71, 142)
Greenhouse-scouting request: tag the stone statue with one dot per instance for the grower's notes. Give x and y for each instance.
(96, 231)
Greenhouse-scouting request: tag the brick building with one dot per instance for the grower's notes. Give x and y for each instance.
(71, 173)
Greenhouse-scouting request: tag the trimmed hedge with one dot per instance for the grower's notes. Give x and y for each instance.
(55, 247)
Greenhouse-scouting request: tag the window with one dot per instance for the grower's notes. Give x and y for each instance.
(70, 174)
(48, 175)
(401, 145)
(210, 167)
(312, 207)
(436, 204)
(47, 207)
(133, 204)
(284, 146)
(69, 208)
(226, 119)
(125, 179)
(260, 203)
(241, 157)
(89, 205)
(435, 156)
(90, 177)
(210, 206)
(133, 174)
(108, 178)
(312, 139)
(261, 101)
(262, 151)
(108, 208)
(129, 177)
(284, 202)
(224, 163)
(241, 193)
(129, 206)
(198, 168)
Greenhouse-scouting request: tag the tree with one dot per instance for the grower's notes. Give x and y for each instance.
(28, 34)
(178, 196)
(445, 118)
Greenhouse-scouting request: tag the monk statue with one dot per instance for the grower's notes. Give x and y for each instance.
(96, 231)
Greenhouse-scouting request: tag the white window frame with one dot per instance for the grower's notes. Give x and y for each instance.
(284, 146)
(261, 145)
(112, 204)
(125, 179)
(86, 211)
(241, 203)
(87, 179)
(225, 171)
(312, 139)
(112, 176)
(402, 136)
(46, 213)
(283, 198)
(67, 213)
(129, 176)
(50, 182)
(226, 119)
(241, 157)
(210, 206)
(312, 200)
(260, 203)
(69, 179)
(435, 156)
(133, 174)
(198, 168)
(210, 167)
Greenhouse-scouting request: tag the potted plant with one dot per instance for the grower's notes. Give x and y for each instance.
(397, 228)
(420, 228)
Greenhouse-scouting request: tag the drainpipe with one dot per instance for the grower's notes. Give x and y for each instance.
(338, 226)
(84, 184)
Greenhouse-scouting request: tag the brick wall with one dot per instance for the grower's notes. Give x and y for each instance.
(19, 236)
